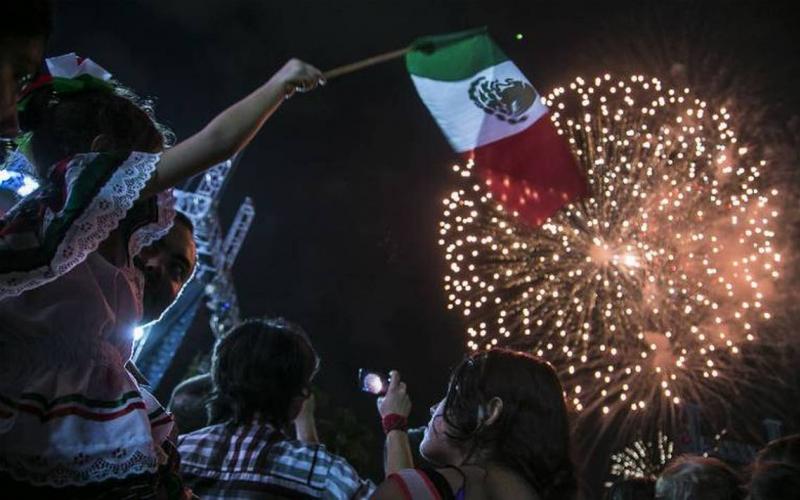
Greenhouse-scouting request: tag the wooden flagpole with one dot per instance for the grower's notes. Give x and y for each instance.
(364, 63)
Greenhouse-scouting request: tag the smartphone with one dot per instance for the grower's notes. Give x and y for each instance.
(373, 382)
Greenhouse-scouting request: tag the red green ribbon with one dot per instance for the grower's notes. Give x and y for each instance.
(63, 86)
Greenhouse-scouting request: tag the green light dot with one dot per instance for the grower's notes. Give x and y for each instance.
(518, 36)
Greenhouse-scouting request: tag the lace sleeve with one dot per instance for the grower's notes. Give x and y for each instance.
(86, 198)
(154, 225)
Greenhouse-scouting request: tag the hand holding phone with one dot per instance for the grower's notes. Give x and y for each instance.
(396, 401)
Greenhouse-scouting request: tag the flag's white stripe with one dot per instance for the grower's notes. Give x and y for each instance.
(465, 125)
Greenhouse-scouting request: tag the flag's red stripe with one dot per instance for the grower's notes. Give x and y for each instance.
(532, 172)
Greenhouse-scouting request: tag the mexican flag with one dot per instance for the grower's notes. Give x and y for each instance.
(492, 114)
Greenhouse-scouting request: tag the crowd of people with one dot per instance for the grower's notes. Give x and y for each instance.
(99, 248)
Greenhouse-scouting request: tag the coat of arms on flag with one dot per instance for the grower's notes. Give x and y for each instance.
(490, 113)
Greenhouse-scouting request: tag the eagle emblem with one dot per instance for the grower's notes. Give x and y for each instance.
(507, 99)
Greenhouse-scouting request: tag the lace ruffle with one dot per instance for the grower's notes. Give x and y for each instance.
(81, 468)
(154, 231)
(102, 215)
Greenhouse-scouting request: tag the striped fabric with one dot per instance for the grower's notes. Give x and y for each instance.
(257, 461)
(73, 404)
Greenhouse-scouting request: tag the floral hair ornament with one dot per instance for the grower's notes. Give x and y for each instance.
(68, 74)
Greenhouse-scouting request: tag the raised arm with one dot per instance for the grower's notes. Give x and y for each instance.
(396, 403)
(230, 131)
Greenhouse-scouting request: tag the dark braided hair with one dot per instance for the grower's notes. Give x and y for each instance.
(260, 366)
(67, 124)
(531, 435)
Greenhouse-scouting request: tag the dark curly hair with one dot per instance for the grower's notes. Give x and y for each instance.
(67, 124)
(689, 477)
(785, 449)
(632, 488)
(260, 366)
(531, 435)
(775, 473)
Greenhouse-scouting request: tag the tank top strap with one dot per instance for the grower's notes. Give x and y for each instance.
(422, 484)
(461, 493)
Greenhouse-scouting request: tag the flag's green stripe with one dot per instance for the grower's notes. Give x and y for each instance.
(453, 57)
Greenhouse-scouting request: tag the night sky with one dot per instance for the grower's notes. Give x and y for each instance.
(348, 180)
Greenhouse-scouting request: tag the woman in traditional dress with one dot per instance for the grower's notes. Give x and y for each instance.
(71, 416)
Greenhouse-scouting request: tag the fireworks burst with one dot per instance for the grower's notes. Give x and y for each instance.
(643, 293)
(642, 460)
